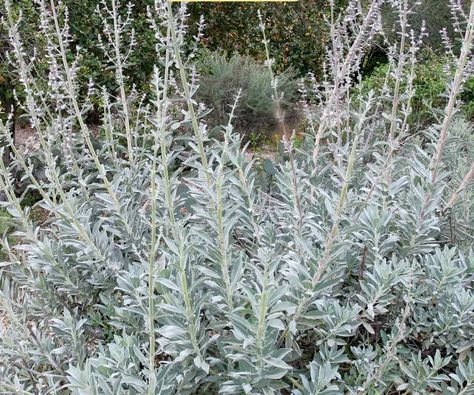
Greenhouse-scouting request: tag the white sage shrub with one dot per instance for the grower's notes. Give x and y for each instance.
(164, 267)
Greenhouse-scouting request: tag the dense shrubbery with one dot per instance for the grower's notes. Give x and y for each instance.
(85, 26)
(229, 27)
(255, 118)
(434, 17)
(429, 83)
(163, 268)
(298, 32)
(222, 80)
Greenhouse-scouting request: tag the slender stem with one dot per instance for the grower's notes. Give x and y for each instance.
(343, 74)
(164, 152)
(328, 245)
(222, 239)
(262, 315)
(191, 318)
(85, 130)
(119, 73)
(151, 281)
(398, 74)
(187, 95)
(467, 178)
(340, 207)
(456, 88)
(281, 120)
(162, 100)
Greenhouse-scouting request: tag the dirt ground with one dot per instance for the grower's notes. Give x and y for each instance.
(26, 139)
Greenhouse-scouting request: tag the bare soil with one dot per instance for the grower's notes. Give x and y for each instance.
(26, 139)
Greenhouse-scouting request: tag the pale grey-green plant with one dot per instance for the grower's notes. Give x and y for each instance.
(164, 268)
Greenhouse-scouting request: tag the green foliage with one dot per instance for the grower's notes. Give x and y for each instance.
(7, 75)
(163, 267)
(249, 332)
(298, 32)
(430, 81)
(460, 151)
(433, 15)
(468, 99)
(222, 80)
(86, 26)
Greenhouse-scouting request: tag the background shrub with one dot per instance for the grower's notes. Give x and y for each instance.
(430, 79)
(468, 98)
(221, 81)
(433, 17)
(298, 32)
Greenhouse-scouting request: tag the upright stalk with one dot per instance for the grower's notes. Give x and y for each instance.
(262, 322)
(399, 72)
(343, 74)
(161, 113)
(187, 95)
(455, 89)
(281, 120)
(467, 178)
(119, 73)
(84, 128)
(222, 239)
(330, 239)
